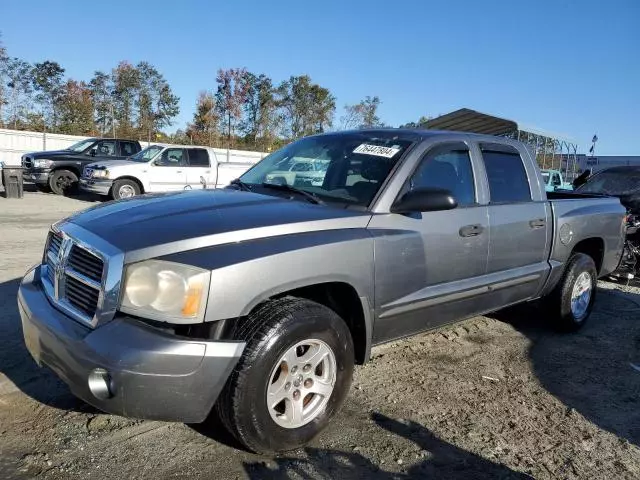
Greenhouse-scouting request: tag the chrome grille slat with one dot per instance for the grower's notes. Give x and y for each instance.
(85, 263)
(74, 274)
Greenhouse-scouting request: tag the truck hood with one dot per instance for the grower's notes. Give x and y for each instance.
(52, 154)
(159, 224)
(109, 164)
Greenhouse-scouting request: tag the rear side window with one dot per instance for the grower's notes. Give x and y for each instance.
(508, 182)
(198, 157)
(128, 148)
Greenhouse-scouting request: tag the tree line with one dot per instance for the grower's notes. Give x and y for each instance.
(243, 109)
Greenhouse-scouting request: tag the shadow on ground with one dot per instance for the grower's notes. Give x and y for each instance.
(591, 371)
(440, 460)
(19, 367)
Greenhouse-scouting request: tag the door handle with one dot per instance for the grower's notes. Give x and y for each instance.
(471, 230)
(178, 171)
(537, 223)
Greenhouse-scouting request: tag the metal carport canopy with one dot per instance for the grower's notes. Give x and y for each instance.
(467, 120)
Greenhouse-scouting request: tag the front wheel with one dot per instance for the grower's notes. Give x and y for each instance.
(293, 377)
(124, 189)
(63, 181)
(569, 305)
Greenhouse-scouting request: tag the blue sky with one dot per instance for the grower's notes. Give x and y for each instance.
(570, 67)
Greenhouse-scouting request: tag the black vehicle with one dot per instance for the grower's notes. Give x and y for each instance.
(59, 170)
(624, 183)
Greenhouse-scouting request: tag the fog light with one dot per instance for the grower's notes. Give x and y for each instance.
(100, 383)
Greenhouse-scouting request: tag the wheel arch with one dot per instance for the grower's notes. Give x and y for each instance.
(133, 179)
(344, 300)
(77, 171)
(593, 247)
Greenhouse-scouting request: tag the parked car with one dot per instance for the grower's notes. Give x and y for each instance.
(553, 180)
(624, 183)
(160, 168)
(256, 300)
(60, 170)
(299, 171)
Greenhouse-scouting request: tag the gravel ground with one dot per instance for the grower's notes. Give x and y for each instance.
(492, 397)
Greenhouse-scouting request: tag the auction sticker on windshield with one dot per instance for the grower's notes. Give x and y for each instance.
(377, 150)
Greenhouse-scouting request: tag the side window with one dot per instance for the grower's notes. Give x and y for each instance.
(448, 167)
(198, 157)
(508, 182)
(172, 157)
(127, 148)
(556, 179)
(106, 148)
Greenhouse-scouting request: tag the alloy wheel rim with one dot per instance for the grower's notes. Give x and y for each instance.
(301, 383)
(581, 295)
(126, 191)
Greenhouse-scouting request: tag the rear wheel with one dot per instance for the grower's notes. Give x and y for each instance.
(124, 189)
(569, 305)
(293, 377)
(63, 181)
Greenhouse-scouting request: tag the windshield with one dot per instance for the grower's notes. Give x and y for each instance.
(146, 154)
(347, 168)
(545, 176)
(612, 183)
(82, 145)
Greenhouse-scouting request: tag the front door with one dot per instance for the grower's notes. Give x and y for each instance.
(168, 172)
(428, 266)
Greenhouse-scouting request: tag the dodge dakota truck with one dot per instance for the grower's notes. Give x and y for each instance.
(253, 303)
(58, 171)
(160, 168)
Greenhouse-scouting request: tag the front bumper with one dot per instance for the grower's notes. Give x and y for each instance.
(93, 185)
(152, 374)
(36, 176)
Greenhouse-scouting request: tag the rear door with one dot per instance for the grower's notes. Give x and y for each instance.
(169, 171)
(199, 168)
(520, 222)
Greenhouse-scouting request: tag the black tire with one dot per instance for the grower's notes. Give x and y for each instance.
(63, 182)
(120, 185)
(558, 303)
(271, 330)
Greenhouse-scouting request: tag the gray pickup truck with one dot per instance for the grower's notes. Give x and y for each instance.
(254, 303)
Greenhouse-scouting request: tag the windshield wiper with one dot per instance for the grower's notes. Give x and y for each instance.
(285, 187)
(239, 183)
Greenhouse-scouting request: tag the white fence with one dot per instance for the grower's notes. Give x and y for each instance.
(15, 143)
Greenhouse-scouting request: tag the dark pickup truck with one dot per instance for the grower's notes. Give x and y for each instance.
(59, 170)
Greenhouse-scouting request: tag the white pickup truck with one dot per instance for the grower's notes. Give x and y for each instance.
(160, 168)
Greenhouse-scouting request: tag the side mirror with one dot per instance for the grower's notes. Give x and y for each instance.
(93, 152)
(425, 200)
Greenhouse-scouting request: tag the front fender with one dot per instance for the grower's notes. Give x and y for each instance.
(247, 273)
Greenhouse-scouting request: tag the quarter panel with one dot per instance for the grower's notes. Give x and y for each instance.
(589, 218)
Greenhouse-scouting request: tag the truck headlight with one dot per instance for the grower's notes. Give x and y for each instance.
(165, 291)
(100, 174)
(42, 163)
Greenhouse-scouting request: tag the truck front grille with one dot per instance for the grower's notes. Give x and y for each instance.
(85, 263)
(73, 276)
(82, 296)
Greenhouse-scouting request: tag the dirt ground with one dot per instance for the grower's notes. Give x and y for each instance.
(501, 397)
